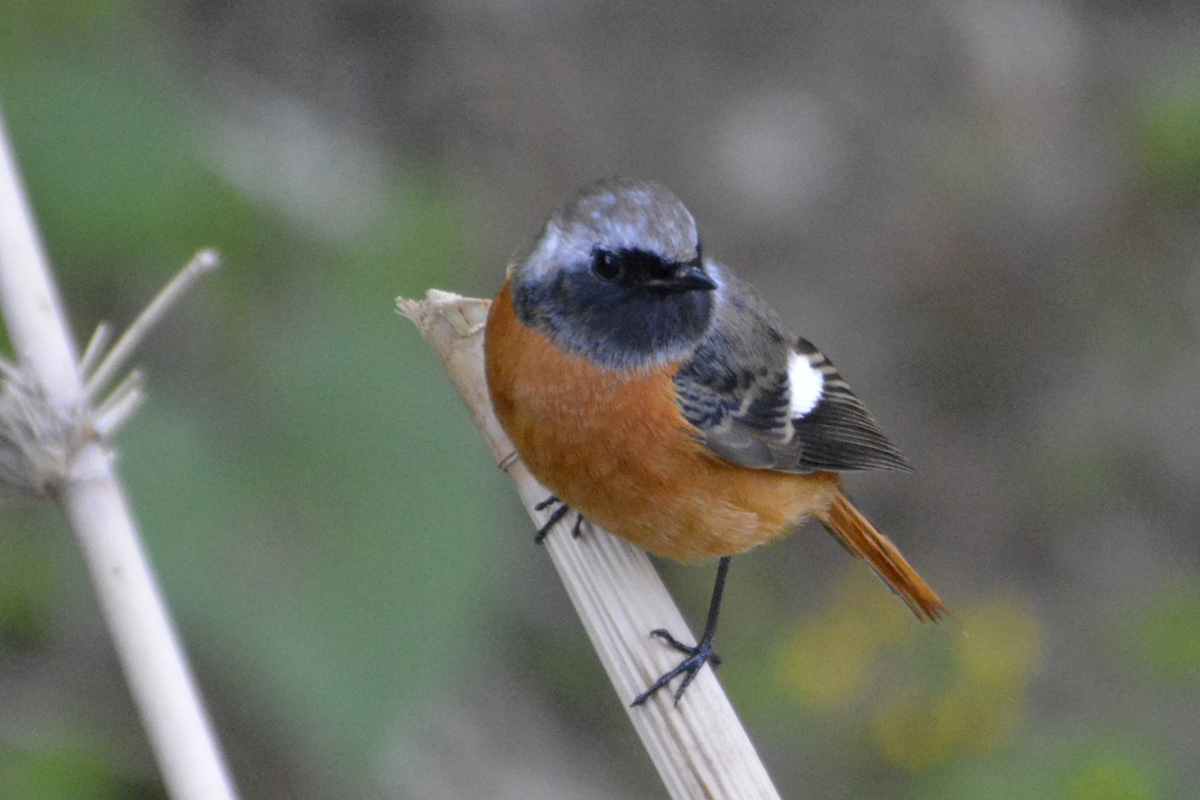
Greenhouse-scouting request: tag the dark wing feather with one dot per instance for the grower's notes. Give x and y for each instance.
(839, 433)
(735, 391)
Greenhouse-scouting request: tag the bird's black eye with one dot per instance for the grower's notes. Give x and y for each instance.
(606, 264)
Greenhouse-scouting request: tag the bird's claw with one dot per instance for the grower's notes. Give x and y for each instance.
(697, 657)
(556, 515)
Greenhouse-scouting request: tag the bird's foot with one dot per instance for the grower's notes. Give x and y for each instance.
(556, 515)
(697, 657)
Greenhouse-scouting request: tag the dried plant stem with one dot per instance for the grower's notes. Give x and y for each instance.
(203, 262)
(91, 495)
(699, 747)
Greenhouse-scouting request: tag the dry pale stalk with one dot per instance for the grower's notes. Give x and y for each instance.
(88, 488)
(699, 747)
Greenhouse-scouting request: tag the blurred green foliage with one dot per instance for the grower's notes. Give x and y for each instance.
(30, 25)
(1166, 634)
(949, 706)
(1168, 137)
(109, 153)
(944, 697)
(27, 584)
(1096, 766)
(64, 770)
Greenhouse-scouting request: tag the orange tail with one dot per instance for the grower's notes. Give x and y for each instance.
(860, 537)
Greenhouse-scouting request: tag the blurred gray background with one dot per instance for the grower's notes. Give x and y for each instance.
(986, 213)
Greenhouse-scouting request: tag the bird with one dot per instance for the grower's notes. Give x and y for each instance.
(657, 394)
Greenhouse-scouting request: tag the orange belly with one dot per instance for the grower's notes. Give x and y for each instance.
(614, 446)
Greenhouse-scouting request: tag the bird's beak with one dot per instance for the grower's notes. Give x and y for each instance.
(687, 277)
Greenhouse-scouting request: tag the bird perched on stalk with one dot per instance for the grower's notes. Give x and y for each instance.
(658, 395)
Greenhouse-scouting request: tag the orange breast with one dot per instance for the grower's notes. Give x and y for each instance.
(614, 446)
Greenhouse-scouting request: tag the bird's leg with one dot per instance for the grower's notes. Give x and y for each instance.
(558, 513)
(696, 656)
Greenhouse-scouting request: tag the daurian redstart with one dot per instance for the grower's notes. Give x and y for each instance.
(655, 393)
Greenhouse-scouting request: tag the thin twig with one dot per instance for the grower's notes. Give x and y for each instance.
(94, 352)
(699, 747)
(91, 495)
(203, 262)
(120, 404)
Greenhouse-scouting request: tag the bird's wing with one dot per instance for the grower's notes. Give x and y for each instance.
(765, 400)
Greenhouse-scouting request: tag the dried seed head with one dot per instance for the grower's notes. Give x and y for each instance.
(38, 439)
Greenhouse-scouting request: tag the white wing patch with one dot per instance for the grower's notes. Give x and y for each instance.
(805, 384)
